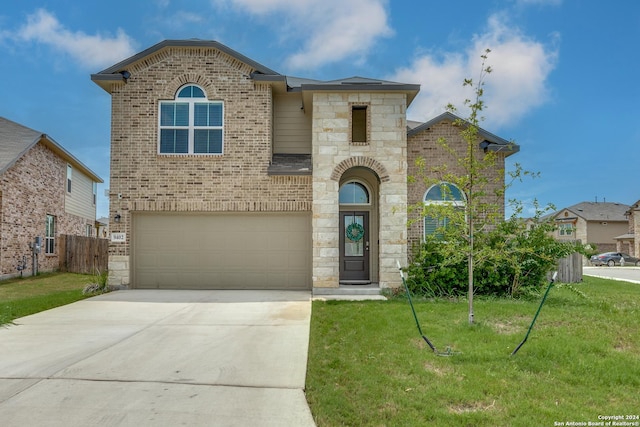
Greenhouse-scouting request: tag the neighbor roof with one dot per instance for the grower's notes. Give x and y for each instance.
(598, 211)
(16, 140)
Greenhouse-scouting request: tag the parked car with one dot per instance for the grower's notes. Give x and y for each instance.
(614, 258)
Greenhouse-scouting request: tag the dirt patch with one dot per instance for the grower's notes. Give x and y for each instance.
(506, 327)
(440, 371)
(472, 407)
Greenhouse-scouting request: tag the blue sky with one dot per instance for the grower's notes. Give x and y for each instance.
(564, 86)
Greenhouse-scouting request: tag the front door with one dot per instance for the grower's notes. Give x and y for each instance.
(354, 247)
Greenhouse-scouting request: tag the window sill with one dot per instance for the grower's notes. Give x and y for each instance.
(190, 154)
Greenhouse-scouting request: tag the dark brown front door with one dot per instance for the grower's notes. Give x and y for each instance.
(354, 247)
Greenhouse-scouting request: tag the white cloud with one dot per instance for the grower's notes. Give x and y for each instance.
(517, 84)
(330, 30)
(91, 51)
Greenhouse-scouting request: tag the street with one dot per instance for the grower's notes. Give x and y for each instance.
(627, 274)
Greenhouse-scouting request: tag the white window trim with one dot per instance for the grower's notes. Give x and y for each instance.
(191, 127)
(566, 229)
(48, 238)
(69, 182)
(455, 203)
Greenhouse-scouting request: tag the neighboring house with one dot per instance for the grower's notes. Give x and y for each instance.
(227, 174)
(102, 228)
(44, 192)
(629, 242)
(592, 222)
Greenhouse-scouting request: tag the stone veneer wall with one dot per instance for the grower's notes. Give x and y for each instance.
(237, 180)
(425, 145)
(385, 154)
(29, 190)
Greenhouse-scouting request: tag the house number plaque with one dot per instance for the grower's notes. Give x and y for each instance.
(118, 237)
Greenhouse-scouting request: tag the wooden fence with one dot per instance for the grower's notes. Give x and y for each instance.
(570, 269)
(80, 254)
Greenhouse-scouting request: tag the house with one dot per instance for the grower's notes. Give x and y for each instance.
(629, 242)
(102, 228)
(44, 192)
(593, 222)
(228, 174)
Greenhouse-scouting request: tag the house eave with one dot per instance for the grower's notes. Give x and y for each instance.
(68, 157)
(106, 81)
(308, 89)
(494, 143)
(107, 77)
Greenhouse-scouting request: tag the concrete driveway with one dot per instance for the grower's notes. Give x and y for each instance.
(144, 357)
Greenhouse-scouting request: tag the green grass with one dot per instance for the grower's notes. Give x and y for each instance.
(368, 366)
(22, 297)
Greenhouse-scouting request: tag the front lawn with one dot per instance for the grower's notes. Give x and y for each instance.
(368, 366)
(29, 295)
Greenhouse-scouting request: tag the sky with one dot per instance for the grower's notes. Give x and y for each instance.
(564, 84)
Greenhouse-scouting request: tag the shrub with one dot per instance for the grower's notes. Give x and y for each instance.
(509, 260)
(100, 285)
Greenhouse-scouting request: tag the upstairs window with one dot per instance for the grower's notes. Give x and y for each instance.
(359, 124)
(191, 124)
(442, 194)
(565, 229)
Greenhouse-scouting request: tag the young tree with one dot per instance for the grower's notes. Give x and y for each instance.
(458, 226)
(479, 173)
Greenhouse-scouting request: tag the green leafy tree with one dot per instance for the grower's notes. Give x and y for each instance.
(474, 238)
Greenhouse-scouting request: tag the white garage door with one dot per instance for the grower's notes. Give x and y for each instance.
(221, 251)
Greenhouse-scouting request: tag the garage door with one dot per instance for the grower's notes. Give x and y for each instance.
(222, 251)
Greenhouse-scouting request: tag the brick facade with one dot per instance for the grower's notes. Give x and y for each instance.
(29, 190)
(239, 180)
(426, 145)
(143, 180)
(634, 228)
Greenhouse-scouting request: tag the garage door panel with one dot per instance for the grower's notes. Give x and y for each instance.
(222, 251)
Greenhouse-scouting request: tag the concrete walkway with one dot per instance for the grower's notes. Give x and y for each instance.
(140, 357)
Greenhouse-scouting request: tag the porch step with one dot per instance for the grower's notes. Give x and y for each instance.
(349, 292)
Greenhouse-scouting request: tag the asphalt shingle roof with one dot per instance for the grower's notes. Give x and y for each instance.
(599, 211)
(16, 140)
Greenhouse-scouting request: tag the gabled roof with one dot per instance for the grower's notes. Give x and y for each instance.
(597, 211)
(634, 206)
(491, 142)
(118, 72)
(16, 140)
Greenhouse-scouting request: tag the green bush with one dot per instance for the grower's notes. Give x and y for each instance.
(509, 260)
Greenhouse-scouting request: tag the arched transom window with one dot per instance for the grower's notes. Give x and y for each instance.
(442, 194)
(354, 193)
(191, 124)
